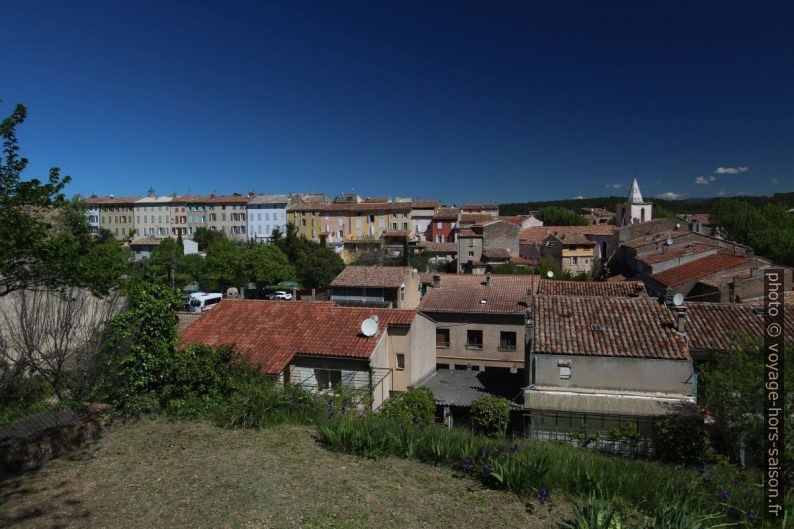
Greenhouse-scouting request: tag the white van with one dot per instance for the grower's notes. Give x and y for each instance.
(202, 302)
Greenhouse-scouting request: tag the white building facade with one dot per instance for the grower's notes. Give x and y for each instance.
(635, 209)
(265, 213)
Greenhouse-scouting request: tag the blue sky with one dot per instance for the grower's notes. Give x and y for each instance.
(462, 101)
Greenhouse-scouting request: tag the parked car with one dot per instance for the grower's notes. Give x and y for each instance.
(280, 294)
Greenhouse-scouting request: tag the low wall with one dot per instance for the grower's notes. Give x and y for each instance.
(30, 442)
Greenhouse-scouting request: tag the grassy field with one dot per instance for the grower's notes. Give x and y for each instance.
(155, 473)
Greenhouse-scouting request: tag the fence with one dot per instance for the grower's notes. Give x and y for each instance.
(365, 389)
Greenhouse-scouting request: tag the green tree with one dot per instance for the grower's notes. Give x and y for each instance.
(490, 415)
(223, 265)
(204, 237)
(265, 265)
(276, 236)
(140, 351)
(768, 229)
(557, 216)
(733, 388)
(318, 266)
(31, 254)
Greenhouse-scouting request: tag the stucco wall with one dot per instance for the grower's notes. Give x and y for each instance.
(616, 374)
(491, 326)
(423, 348)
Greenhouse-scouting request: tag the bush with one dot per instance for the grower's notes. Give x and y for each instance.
(258, 401)
(490, 416)
(680, 439)
(414, 406)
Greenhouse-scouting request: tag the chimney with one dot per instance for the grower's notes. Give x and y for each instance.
(680, 319)
(488, 279)
(436, 281)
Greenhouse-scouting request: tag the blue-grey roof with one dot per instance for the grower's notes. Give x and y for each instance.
(455, 387)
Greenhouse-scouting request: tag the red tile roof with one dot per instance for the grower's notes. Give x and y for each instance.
(676, 252)
(655, 237)
(536, 234)
(111, 200)
(439, 247)
(700, 268)
(507, 294)
(446, 214)
(479, 207)
(372, 276)
(714, 326)
(624, 289)
(468, 232)
(376, 200)
(425, 204)
(574, 239)
(496, 253)
(630, 328)
(476, 218)
(226, 199)
(269, 333)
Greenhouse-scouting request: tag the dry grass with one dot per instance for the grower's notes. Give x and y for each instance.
(159, 474)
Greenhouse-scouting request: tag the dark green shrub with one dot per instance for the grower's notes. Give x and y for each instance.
(414, 406)
(490, 415)
(680, 439)
(258, 401)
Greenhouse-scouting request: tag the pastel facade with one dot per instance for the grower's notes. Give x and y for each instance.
(227, 214)
(266, 213)
(153, 216)
(114, 214)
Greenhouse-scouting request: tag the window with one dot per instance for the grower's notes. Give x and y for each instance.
(439, 225)
(327, 378)
(473, 339)
(223, 216)
(574, 260)
(370, 218)
(400, 361)
(394, 225)
(258, 216)
(442, 337)
(439, 238)
(507, 341)
(471, 253)
(402, 292)
(405, 225)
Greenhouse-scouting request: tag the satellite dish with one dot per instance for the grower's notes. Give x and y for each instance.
(549, 274)
(670, 241)
(678, 299)
(369, 327)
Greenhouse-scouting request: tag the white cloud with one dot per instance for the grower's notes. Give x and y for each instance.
(670, 196)
(578, 197)
(615, 185)
(721, 193)
(705, 180)
(732, 170)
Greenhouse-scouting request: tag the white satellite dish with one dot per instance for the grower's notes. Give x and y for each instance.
(670, 242)
(369, 327)
(678, 299)
(549, 274)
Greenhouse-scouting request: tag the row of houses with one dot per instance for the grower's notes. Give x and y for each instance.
(564, 353)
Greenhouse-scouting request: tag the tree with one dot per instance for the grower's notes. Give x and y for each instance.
(733, 388)
(768, 229)
(276, 236)
(223, 264)
(56, 335)
(318, 266)
(557, 216)
(205, 236)
(139, 353)
(265, 265)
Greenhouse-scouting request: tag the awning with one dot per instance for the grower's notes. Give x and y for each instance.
(605, 405)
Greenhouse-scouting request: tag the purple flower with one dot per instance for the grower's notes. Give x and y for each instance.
(330, 413)
(487, 470)
(514, 448)
(503, 449)
(702, 469)
(420, 426)
(708, 480)
(467, 465)
(482, 451)
(724, 495)
(751, 515)
(543, 495)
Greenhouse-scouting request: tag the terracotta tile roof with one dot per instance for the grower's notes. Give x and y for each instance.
(270, 199)
(629, 328)
(396, 233)
(517, 259)
(654, 237)
(475, 218)
(700, 268)
(623, 289)
(713, 326)
(468, 232)
(788, 299)
(425, 204)
(724, 279)
(353, 207)
(269, 333)
(446, 214)
(311, 206)
(376, 200)
(226, 199)
(440, 247)
(703, 218)
(496, 253)
(372, 276)
(514, 219)
(574, 239)
(479, 207)
(596, 212)
(507, 294)
(146, 241)
(536, 234)
(112, 200)
(676, 252)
